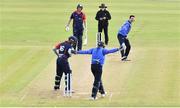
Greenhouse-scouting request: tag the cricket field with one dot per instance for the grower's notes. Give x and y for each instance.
(29, 29)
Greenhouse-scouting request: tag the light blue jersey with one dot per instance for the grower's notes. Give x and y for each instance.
(124, 30)
(98, 54)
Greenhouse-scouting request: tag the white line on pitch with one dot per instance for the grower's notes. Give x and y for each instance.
(110, 97)
(82, 93)
(22, 98)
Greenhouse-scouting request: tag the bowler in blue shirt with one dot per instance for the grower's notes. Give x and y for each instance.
(123, 37)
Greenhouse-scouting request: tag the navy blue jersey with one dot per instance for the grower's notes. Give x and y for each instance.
(64, 49)
(78, 19)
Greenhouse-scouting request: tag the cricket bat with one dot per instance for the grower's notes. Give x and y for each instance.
(86, 36)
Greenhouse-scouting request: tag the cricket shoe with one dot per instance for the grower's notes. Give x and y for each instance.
(56, 88)
(124, 58)
(103, 95)
(93, 98)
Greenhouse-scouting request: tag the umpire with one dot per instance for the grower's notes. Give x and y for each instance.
(79, 22)
(102, 16)
(97, 62)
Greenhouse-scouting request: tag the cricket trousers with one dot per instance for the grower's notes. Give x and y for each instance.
(104, 27)
(78, 33)
(97, 85)
(62, 66)
(124, 40)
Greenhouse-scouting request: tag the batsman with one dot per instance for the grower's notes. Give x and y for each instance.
(63, 51)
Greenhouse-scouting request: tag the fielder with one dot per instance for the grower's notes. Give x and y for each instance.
(79, 23)
(123, 38)
(63, 51)
(97, 62)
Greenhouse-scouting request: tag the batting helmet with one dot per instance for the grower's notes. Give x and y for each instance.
(73, 39)
(80, 6)
(101, 44)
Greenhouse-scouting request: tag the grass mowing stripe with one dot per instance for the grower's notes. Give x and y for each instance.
(139, 83)
(157, 86)
(159, 78)
(172, 81)
(6, 54)
(152, 82)
(34, 69)
(25, 74)
(14, 56)
(22, 24)
(10, 69)
(155, 90)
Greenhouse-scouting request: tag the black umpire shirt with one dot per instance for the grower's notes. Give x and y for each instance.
(101, 14)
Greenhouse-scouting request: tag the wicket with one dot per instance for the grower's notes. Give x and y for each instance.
(98, 38)
(68, 85)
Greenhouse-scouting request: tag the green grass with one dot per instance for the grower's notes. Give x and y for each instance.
(30, 28)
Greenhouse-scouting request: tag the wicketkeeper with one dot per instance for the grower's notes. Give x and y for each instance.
(97, 62)
(63, 51)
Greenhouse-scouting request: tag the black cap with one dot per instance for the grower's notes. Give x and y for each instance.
(103, 6)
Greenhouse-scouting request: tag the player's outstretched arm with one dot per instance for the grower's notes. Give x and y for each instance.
(106, 51)
(85, 51)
